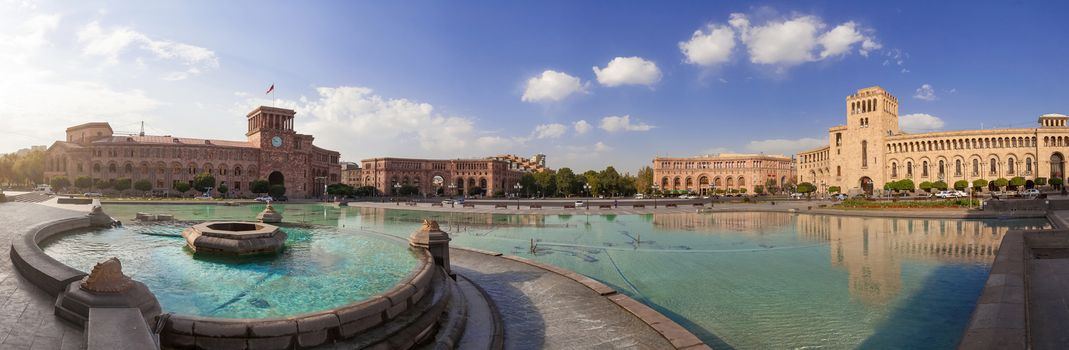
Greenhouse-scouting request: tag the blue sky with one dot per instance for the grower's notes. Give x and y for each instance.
(461, 79)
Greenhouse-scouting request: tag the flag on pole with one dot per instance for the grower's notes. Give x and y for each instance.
(272, 88)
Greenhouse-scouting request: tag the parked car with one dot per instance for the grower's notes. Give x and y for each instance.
(447, 202)
(264, 199)
(639, 196)
(797, 195)
(961, 194)
(841, 196)
(1030, 193)
(203, 197)
(580, 204)
(93, 194)
(945, 194)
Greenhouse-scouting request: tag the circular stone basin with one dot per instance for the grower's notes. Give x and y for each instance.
(234, 238)
(322, 268)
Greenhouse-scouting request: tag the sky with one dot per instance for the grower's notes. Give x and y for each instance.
(587, 83)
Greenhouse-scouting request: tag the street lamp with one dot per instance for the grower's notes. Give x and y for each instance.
(656, 190)
(587, 188)
(518, 187)
(397, 191)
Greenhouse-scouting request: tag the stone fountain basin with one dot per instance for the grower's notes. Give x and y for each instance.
(238, 238)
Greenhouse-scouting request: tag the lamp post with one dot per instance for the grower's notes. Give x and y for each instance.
(587, 188)
(656, 188)
(518, 187)
(324, 179)
(397, 191)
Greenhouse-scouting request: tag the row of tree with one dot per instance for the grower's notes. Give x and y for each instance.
(203, 182)
(22, 169)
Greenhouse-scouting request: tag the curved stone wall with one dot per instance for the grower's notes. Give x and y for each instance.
(37, 267)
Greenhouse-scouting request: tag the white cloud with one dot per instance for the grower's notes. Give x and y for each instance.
(628, 71)
(552, 86)
(783, 42)
(581, 127)
(925, 92)
(601, 147)
(710, 46)
(919, 122)
(550, 131)
(784, 146)
(615, 124)
(387, 126)
(112, 43)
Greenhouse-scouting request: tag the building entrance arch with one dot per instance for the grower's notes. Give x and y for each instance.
(1057, 166)
(276, 178)
(866, 185)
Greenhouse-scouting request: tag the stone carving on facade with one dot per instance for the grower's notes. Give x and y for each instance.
(107, 277)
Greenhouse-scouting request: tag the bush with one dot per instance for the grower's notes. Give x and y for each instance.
(835, 189)
(277, 191)
(223, 189)
(940, 185)
(979, 184)
(260, 186)
(859, 203)
(927, 186)
(1056, 181)
(1041, 181)
(182, 187)
(123, 184)
(759, 189)
(902, 185)
(60, 183)
(203, 181)
(83, 182)
(1017, 181)
(806, 187)
(961, 185)
(143, 185)
(1001, 182)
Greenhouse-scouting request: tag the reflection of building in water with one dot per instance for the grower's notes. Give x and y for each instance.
(380, 216)
(733, 221)
(870, 249)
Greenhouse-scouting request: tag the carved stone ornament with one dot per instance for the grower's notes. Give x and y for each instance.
(107, 277)
(430, 226)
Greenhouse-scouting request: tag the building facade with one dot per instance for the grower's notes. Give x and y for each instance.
(704, 174)
(351, 174)
(870, 150)
(272, 151)
(443, 177)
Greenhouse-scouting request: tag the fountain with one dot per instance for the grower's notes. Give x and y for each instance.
(236, 238)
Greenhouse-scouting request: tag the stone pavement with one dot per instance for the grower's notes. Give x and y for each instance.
(544, 310)
(26, 319)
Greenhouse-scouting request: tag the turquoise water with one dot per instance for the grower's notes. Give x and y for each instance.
(737, 280)
(320, 268)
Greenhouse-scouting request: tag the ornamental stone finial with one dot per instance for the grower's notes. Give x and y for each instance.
(269, 215)
(107, 277)
(430, 226)
(436, 241)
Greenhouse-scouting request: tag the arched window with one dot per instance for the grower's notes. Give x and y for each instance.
(975, 167)
(924, 169)
(994, 166)
(942, 169)
(894, 169)
(838, 170)
(909, 169)
(864, 154)
(1009, 166)
(957, 167)
(1028, 166)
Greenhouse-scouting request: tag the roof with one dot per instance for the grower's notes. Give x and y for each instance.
(90, 125)
(169, 140)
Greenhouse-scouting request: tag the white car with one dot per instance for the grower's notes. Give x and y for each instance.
(264, 199)
(639, 196)
(447, 202)
(797, 195)
(841, 196)
(961, 194)
(93, 194)
(1030, 193)
(945, 194)
(580, 204)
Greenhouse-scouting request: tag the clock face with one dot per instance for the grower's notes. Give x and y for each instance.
(276, 141)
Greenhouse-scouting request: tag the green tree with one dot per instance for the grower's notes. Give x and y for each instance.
(277, 191)
(644, 180)
(1017, 182)
(103, 185)
(223, 189)
(926, 186)
(203, 182)
(1001, 183)
(834, 189)
(143, 185)
(979, 184)
(83, 182)
(742, 190)
(593, 181)
(527, 180)
(60, 183)
(961, 185)
(1056, 182)
(182, 187)
(770, 186)
(30, 168)
(365, 191)
(940, 185)
(806, 188)
(1041, 181)
(566, 181)
(758, 189)
(609, 179)
(339, 189)
(904, 185)
(546, 183)
(123, 184)
(475, 191)
(260, 187)
(411, 190)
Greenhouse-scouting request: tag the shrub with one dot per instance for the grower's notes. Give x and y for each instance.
(758, 189)
(83, 182)
(123, 184)
(223, 189)
(926, 186)
(961, 184)
(60, 183)
(143, 185)
(1017, 181)
(940, 185)
(903, 185)
(182, 187)
(1001, 182)
(806, 187)
(835, 189)
(979, 184)
(277, 191)
(1056, 181)
(1041, 181)
(203, 181)
(260, 186)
